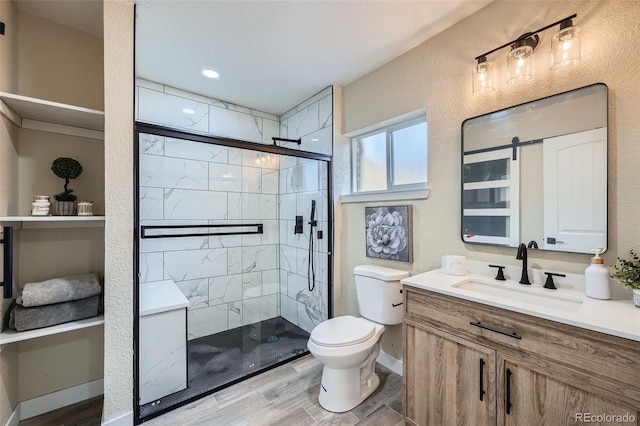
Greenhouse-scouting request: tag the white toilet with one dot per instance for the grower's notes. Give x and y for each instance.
(348, 346)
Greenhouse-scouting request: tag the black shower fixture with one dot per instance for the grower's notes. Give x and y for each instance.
(297, 141)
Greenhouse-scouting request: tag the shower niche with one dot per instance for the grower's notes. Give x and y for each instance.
(243, 231)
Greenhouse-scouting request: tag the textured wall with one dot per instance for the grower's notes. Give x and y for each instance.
(8, 190)
(437, 75)
(37, 151)
(118, 89)
(9, 47)
(53, 363)
(59, 63)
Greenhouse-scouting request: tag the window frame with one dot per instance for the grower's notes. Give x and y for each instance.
(388, 130)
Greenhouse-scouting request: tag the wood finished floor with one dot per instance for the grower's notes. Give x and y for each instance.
(85, 413)
(287, 395)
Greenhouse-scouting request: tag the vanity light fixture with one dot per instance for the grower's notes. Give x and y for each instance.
(565, 45)
(483, 76)
(565, 42)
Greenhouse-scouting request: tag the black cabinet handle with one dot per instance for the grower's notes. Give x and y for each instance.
(495, 330)
(482, 379)
(508, 392)
(7, 258)
(395, 305)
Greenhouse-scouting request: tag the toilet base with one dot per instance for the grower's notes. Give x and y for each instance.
(341, 390)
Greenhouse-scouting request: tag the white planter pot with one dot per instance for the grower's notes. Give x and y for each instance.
(636, 297)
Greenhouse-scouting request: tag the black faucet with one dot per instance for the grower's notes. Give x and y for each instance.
(522, 255)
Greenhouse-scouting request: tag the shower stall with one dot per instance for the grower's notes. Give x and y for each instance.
(233, 261)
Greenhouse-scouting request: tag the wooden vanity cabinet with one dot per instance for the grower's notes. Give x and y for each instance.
(443, 382)
(540, 399)
(530, 371)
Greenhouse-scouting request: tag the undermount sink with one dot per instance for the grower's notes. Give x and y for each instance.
(520, 293)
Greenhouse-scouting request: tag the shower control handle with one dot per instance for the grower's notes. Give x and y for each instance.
(298, 227)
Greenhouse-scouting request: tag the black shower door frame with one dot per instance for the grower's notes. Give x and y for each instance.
(145, 128)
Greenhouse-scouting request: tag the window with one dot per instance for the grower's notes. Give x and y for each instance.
(393, 158)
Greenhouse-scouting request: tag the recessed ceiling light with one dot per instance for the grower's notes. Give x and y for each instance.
(315, 140)
(210, 73)
(188, 111)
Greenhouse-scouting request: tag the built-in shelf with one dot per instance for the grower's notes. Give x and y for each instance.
(34, 222)
(55, 117)
(12, 336)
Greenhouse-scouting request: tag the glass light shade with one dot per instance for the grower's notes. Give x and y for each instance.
(483, 78)
(565, 47)
(519, 64)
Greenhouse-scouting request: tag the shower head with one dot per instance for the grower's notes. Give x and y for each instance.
(312, 220)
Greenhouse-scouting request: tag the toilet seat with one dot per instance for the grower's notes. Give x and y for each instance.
(346, 330)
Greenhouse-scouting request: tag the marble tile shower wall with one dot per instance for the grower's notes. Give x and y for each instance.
(170, 107)
(302, 181)
(312, 121)
(229, 280)
(253, 287)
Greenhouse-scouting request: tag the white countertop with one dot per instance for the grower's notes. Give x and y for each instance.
(617, 316)
(160, 296)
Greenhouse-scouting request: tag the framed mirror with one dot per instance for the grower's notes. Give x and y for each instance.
(537, 173)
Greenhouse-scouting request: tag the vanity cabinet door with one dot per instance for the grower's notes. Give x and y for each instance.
(447, 380)
(527, 397)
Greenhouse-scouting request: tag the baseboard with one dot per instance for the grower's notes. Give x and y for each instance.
(62, 398)
(390, 362)
(14, 418)
(125, 419)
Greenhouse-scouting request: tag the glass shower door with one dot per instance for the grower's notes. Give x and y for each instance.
(236, 240)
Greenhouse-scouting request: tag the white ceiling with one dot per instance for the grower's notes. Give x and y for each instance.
(271, 55)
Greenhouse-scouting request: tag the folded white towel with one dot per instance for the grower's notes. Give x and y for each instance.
(56, 290)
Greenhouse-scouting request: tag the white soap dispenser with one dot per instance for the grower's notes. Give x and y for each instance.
(596, 278)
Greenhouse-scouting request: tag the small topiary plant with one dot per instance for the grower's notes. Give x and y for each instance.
(66, 168)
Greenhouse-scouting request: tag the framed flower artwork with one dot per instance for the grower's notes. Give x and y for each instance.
(389, 232)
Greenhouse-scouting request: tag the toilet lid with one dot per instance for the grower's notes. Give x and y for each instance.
(342, 331)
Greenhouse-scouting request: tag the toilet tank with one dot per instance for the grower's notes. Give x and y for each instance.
(379, 293)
